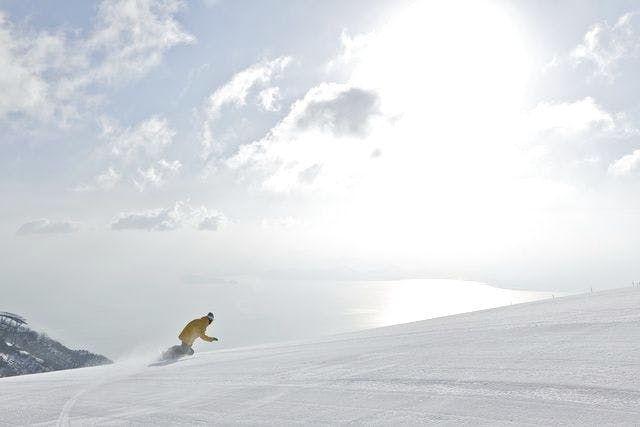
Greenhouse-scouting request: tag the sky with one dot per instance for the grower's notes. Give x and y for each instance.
(156, 156)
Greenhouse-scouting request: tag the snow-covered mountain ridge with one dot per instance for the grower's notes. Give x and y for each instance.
(24, 351)
(566, 361)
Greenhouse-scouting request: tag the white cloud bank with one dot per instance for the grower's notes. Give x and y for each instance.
(48, 75)
(46, 226)
(436, 143)
(343, 112)
(148, 139)
(180, 215)
(322, 136)
(407, 110)
(235, 93)
(605, 46)
(570, 117)
(104, 181)
(157, 175)
(212, 221)
(138, 152)
(270, 98)
(424, 114)
(626, 165)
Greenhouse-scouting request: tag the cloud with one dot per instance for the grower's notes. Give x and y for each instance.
(310, 174)
(212, 222)
(573, 127)
(152, 220)
(235, 93)
(551, 64)
(179, 215)
(47, 75)
(436, 116)
(626, 164)
(447, 124)
(108, 179)
(605, 46)
(131, 37)
(270, 98)
(355, 49)
(324, 131)
(157, 175)
(570, 117)
(575, 135)
(147, 139)
(236, 90)
(104, 181)
(23, 88)
(137, 151)
(45, 226)
(346, 112)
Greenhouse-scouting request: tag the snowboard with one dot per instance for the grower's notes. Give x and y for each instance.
(172, 355)
(176, 352)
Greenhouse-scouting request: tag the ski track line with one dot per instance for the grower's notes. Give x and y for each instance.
(64, 416)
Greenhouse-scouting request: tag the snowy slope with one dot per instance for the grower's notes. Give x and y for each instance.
(573, 360)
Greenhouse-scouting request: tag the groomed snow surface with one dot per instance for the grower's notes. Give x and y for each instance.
(567, 361)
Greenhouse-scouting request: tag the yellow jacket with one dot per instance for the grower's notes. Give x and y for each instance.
(194, 329)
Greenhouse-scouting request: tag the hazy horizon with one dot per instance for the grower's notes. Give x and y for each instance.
(252, 311)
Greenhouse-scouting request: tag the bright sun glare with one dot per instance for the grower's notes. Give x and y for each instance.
(445, 56)
(455, 116)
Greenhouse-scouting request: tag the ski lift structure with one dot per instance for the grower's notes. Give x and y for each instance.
(10, 321)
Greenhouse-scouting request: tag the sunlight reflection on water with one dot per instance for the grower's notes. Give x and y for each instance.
(405, 301)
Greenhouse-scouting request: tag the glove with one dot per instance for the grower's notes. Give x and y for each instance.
(214, 339)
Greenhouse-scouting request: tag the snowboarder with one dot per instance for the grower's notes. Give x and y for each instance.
(194, 329)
